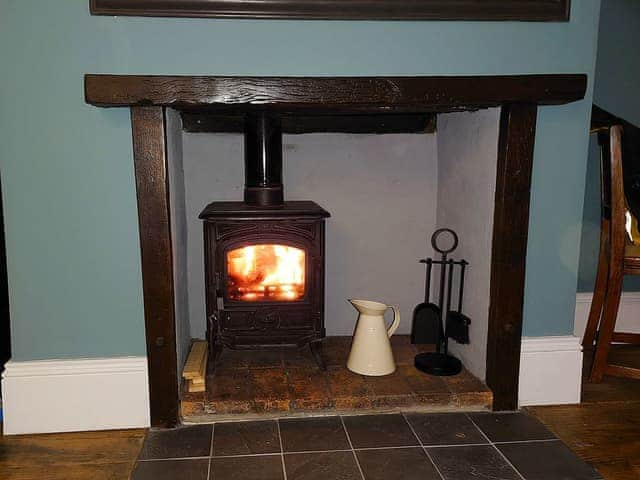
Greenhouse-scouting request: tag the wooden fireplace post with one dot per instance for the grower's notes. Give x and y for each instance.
(509, 251)
(152, 189)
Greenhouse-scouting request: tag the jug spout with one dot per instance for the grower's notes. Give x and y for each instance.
(368, 307)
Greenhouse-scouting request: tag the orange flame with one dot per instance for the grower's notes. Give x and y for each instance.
(266, 273)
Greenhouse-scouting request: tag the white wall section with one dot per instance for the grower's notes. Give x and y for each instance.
(380, 190)
(467, 159)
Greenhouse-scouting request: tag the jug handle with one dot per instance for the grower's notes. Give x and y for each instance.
(396, 320)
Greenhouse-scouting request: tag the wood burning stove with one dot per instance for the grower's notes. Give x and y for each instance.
(264, 257)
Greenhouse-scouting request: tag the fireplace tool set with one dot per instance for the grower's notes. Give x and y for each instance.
(437, 323)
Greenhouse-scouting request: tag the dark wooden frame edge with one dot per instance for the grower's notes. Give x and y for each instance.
(493, 10)
(518, 96)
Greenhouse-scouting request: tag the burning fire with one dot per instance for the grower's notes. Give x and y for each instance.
(266, 273)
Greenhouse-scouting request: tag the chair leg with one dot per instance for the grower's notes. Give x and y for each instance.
(600, 288)
(607, 325)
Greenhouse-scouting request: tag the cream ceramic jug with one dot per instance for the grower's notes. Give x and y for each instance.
(371, 349)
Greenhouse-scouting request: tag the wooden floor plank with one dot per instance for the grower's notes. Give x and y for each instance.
(70, 456)
(607, 435)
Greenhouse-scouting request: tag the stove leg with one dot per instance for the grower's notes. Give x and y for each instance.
(316, 351)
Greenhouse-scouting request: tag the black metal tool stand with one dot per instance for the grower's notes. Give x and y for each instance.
(440, 363)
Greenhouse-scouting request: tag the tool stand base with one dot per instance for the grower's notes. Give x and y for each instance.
(438, 364)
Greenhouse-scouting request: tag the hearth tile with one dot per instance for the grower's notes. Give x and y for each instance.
(196, 469)
(388, 402)
(551, 460)
(348, 389)
(436, 399)
(262, 467)
(299, 358)
(182, 442)
(390, 430)
(403, 351)
(309, 388)
(394, 384)
(463, 463)
(189, 407)
(477, 400)
(229, 391)
(445, 429)
(270, 390)
(510, 427)
(322, 466)
(464, 382)
(389, 391)
(336, 350)
(420, 382)
(246, 438)
(230, 359)
(313, 434)
(264, 358)
(402, 463)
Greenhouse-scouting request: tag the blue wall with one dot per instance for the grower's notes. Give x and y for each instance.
(616, 90)
(67, 171)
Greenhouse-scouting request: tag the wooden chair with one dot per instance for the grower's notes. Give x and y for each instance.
(617, 257)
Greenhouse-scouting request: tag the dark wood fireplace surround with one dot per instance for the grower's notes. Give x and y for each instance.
(361, 104)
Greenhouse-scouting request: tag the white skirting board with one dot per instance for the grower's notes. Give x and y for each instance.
(550, 371)
(628, 313)
(73, 395)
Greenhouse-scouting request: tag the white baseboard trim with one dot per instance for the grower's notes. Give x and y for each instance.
(628, 313)
(47, 396)
(550, 371)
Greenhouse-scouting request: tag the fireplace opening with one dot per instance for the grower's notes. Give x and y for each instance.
(265, 272)
(267, 282)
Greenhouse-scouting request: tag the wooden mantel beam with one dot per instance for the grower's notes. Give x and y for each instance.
(334, 94)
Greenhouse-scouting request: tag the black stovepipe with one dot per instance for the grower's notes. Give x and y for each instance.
(263, 160)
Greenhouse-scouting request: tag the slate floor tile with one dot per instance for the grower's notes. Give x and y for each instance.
(245, 438)
(261, 467)
(313, 434)
(321, 466)
(464, 463)
(182, 442)
(397, 464)
(445, 429)
(367, 431)
(547, 461)
(171, 469)
(511, 427)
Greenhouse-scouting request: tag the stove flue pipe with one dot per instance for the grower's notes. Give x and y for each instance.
(263, 160)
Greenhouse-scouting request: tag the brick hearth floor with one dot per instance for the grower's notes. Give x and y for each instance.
(263, 383)
(400, 446)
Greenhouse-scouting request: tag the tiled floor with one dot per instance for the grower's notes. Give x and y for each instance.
(402, 446)
(289, 381)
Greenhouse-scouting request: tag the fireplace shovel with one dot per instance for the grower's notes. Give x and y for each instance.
(426, 316)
